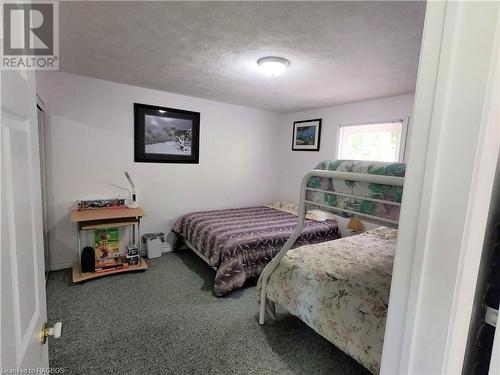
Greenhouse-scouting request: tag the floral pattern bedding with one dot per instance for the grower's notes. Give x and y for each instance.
(364, 189)
(340, 289)
(240, 242)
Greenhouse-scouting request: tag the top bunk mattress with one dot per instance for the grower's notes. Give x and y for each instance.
(341, 290)
(368, 207)
(240, 242)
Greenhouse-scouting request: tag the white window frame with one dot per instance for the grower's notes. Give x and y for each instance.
(401, 151)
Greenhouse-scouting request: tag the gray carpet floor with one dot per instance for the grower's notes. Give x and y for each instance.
(166, 321)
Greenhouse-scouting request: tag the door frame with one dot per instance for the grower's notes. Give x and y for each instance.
(476, 220)
(437, 261)
(42, 135)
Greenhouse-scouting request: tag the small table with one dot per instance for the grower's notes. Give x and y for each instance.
(106, 218)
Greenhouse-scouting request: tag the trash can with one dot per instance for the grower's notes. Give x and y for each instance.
(154, 244)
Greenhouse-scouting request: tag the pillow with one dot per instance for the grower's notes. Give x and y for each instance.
(292, 208)
(320, 215)
(289, 207)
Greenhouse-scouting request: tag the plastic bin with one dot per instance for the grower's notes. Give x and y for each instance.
(154, 244)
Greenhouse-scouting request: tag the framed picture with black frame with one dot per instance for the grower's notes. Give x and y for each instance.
(165, 135)
(306, 135)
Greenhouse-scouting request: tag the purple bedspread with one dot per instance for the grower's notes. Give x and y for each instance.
(241, 242)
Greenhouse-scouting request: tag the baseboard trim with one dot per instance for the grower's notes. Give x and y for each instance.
(61, 266)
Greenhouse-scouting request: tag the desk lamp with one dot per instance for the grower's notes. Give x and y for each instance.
(134, 196)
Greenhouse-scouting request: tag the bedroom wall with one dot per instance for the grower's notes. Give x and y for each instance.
(89, 142)
(296, 163)
(245, 153)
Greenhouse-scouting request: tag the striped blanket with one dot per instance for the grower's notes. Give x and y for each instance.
(241, 242)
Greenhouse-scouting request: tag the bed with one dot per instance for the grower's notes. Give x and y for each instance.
(239, 243)
(340, 288)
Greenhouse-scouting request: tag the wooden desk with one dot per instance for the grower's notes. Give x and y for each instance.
(105, 214)
(106, 218)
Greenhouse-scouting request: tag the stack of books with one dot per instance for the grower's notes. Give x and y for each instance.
(108, 257)
(110, 264)
(107, 250)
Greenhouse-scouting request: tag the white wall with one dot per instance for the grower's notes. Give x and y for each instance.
(296, 163)
(90, 144)
(245, 153)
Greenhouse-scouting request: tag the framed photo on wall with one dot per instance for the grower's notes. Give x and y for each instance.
(165, 135)
(306, 135)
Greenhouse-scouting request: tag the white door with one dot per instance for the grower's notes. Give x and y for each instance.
(22, 281)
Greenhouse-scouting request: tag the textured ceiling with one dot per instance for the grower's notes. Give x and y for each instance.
(340, 52)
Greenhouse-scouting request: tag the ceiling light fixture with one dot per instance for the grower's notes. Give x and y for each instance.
(272, 65)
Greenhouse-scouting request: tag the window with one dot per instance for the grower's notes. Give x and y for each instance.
(381, 141)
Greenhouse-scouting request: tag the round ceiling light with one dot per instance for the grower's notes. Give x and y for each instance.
(272, 65)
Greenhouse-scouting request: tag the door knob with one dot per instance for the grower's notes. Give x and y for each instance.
(47, 331)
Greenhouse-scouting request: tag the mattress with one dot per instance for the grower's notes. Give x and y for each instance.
(341, 290)
(239, 243)
(359, 188)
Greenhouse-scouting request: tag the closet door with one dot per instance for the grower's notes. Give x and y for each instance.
(41, 144)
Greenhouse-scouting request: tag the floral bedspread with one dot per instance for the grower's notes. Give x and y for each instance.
(340, 289)
(364, 189)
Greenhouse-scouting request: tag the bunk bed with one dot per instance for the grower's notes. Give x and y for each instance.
(341, 288)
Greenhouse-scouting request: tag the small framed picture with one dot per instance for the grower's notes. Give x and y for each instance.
(166, 135)
(306, 135)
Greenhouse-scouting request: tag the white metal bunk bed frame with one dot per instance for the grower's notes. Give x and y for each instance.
(348, 176)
